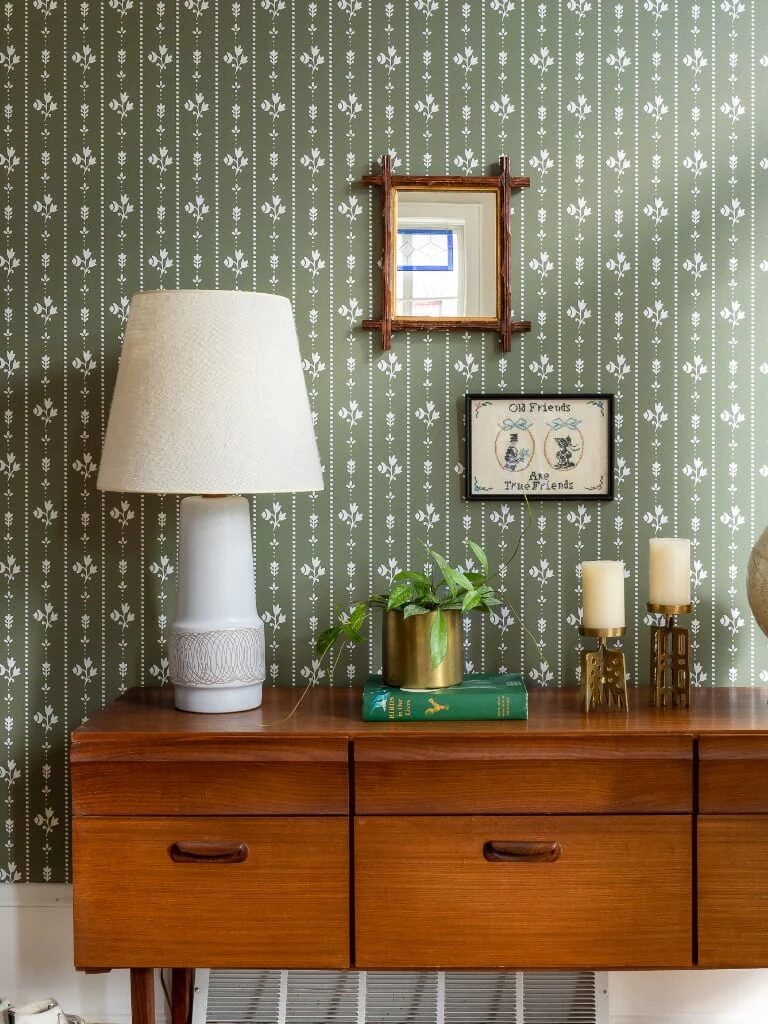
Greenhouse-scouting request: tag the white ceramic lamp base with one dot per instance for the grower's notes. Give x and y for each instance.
(216, 641)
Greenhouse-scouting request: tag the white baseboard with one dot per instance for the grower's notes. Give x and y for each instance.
(36, 961)
(687, 1018)
(688, 997)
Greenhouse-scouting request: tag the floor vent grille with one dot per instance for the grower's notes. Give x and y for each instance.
(403, 997)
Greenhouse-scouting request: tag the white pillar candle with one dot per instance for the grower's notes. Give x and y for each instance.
(669, 570)
(603, 595)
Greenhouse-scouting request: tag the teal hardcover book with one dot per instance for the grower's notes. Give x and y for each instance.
(480, 697)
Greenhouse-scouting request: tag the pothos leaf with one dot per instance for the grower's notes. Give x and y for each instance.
(438, 638)
(327, 639)
(399, 595)
(480, 555)
(455, 579)
(414, 609)
(421, 583)
(357, 616)
(442, 565)
(472, 599)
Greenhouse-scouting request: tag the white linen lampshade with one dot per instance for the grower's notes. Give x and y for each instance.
(210, 400)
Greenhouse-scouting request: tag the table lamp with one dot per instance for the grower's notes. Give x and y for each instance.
(210, 401)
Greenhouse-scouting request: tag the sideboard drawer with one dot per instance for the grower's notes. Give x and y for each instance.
(733, 774)
(211, 892)
(189, 776)
(548, 892)
(733, 891)
(524, 775)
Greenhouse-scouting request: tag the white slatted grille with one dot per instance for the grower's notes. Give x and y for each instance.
(321, 995)
(252, 996)
(396, 998)
(474, 997)
(567, 996)
(413, 997)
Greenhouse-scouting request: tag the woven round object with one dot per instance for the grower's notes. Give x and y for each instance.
(757, 581)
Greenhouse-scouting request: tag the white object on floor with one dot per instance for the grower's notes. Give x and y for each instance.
(44, 1011)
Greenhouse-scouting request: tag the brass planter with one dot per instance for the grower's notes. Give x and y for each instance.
(405, 650)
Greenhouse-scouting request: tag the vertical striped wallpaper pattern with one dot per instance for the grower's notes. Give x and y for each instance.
(195, 143)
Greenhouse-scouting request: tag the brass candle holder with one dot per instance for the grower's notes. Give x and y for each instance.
(670, 658)
(603, 672)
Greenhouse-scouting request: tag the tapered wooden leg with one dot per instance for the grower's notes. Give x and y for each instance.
(142, 995)
(181, 994)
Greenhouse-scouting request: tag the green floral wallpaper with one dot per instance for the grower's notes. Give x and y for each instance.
(218, 144)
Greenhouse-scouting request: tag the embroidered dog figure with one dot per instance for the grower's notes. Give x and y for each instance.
(514, 457)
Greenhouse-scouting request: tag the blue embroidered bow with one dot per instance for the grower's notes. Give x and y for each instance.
(560, 424)
(515, 425)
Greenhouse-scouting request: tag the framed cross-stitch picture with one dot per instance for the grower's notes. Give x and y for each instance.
(544, 447)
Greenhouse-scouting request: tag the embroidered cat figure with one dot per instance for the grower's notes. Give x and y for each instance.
(566, 449)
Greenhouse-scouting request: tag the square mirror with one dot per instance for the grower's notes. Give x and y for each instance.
(446, 253)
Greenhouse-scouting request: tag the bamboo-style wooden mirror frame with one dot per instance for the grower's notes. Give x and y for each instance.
(502, 184)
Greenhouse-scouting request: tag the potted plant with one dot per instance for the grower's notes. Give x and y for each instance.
(422, 621)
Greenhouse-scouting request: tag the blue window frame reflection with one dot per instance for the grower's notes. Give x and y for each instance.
(429, 271)
(425, 249)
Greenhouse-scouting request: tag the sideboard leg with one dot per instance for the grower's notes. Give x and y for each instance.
(142, 995)
(181, 994)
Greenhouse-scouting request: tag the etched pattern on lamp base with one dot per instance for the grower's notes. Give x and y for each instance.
(217, 657)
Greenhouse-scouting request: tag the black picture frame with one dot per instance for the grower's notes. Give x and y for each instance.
(473, 495)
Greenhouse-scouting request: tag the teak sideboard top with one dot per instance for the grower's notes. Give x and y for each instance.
(607, 840)
(330, 712)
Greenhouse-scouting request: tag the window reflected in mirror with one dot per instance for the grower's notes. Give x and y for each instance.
(446, 253)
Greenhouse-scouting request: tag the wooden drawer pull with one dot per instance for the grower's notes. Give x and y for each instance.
(521, 852)
(208, 852)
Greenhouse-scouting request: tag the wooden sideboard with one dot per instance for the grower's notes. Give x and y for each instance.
(568, 841)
